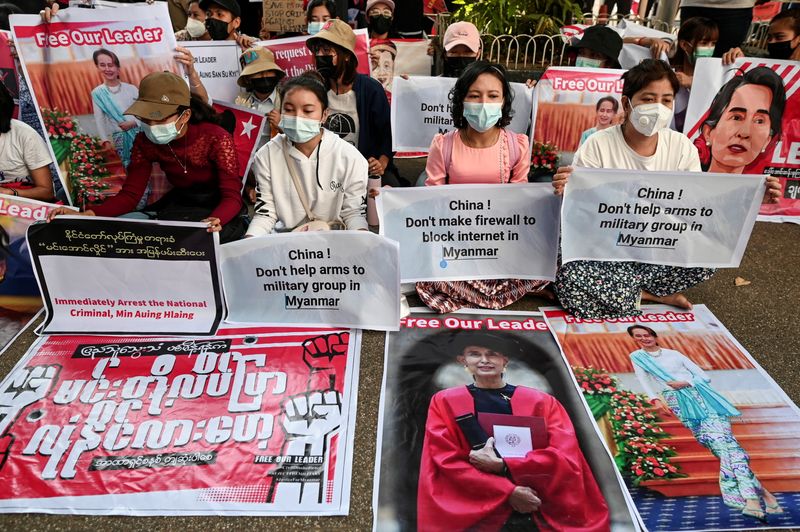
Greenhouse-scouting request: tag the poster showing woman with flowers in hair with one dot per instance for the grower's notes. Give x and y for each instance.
(703, 437)
(83, 70)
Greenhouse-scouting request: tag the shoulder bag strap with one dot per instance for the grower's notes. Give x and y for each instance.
(296, 180)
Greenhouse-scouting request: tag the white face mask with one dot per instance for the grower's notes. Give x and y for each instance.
(195, 28)
(649, 118)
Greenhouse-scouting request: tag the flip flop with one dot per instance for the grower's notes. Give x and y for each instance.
(756, 514)
(774, 510)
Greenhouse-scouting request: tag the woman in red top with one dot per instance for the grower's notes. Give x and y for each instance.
(197, 155)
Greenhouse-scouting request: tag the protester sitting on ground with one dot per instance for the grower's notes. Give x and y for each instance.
(599, 47)
(462, 47)
(182, 135)
(479, 150)
(380, 15)
(24, 157)
(783, 38)
(318, 13)
(195, 29)
(359, 110)
(606, 110)
(259, 78)
(308, 169)
(697, 38)
(604, 289)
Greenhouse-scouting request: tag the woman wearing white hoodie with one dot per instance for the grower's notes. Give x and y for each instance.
(331, 172)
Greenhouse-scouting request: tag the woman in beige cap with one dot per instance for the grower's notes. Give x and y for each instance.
(182, 135)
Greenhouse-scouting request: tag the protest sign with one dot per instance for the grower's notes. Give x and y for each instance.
(335, 278)
(294, 57)
(19, 293)
(678, 443)
(570, 103)
(84, 71)
(423, 476)
(726, 99)
(478, 231)
(252, 421)
(217, 64)
(673, 218)
(405, 56)
(284, 16)
(421, 109)
(249, 125)
(118, 276)
(8, 71)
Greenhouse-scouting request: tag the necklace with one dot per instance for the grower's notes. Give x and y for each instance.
(184, 165)
(112, 91)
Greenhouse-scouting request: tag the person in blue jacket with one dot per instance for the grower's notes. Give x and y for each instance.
(359, 110)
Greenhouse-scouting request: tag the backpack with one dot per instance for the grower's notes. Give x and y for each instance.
(447, 152)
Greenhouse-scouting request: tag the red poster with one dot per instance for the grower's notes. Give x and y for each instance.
(294, 57)
(252, 421)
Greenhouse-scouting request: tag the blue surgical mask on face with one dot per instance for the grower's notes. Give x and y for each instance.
(315, 27)
(162, 133)
(299, 129)
(588, 62)
(483, 116)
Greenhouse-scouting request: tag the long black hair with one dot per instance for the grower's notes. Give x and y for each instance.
(465, 81)
(6, 109)
(764, 76)
(330, 5)
(694, 30)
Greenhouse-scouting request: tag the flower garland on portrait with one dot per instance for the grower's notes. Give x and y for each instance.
(640, 453)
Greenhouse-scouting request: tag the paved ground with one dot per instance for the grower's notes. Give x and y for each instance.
(762, 316)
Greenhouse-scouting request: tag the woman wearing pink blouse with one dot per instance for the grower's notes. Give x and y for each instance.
(479, 151)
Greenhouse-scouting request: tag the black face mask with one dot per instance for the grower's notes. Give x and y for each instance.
(454, 66)
(380, 24)
(780, 50)
(217, 29)
(263, 85)
(325, 66)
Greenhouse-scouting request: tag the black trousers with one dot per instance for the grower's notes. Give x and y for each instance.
(623, 6)
(733, 24)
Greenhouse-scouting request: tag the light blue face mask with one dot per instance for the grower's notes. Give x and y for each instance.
(161, 133)
(483, 116)
(588, 62)
(299, 129)
(315, 27)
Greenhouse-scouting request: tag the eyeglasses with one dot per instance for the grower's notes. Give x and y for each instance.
(378, 12)
(323, 49)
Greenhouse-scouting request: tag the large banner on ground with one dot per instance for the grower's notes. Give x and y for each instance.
(217, 64)
(253, 421)
(335, 278)
(745, 118)
(116, 276)
(704, 438)
(480, 231)
(421, 109)
(674, 218)
(294, 57)
(84, 70)
(19, 293)
(436, 469)
(571, 103)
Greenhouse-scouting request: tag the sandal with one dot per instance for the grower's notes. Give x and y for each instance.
(774, 510)
(755, 513)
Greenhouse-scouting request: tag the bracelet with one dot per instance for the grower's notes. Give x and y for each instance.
(14, 192)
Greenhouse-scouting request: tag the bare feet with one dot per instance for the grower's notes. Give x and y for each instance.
(772, 504)
(676, 300)
(753, 509)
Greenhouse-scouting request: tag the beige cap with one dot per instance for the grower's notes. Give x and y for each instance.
(255, 60)
(371, 3)
(338, 32)
(462, 33)
(160, 95)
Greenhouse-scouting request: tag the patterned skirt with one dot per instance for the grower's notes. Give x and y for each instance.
(448, 296)
(736, 480)
(601, 289)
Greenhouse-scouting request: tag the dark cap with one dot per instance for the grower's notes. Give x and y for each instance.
(499, 343)
(160, 95)
(601, 39)
(230, 5)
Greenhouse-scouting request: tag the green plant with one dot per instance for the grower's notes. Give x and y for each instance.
(516, 17)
